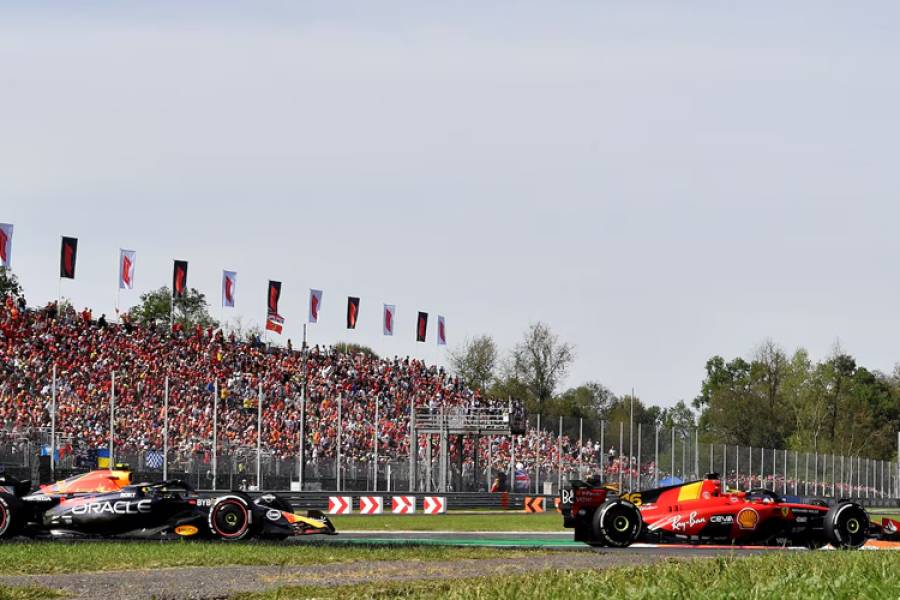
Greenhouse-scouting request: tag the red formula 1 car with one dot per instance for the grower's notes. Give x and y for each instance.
(702, 511)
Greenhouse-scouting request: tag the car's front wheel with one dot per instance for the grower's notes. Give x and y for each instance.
(230, 518)
(10, 519)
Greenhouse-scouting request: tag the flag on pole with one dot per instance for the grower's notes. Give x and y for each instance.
(274, 322)
(422, 327)
(272, 296)
(390, 312)
(229, 282)
(6, 233)
(179, 279)
(154, 459)
(442, 332)
(315, 303)
(68, 254)
(103, 458)
(126, 269)
(352, 312)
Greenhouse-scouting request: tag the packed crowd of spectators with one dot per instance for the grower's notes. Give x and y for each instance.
(201, 363)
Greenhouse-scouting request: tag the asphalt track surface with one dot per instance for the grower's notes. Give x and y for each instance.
(561, 540)
(222, 582)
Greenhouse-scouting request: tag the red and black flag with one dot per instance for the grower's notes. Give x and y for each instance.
(272, 297)
(179, 279)
(274, 322)
(422, 327)
(67, 257)
(352, 312)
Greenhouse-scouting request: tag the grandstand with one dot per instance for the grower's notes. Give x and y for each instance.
(84, 352)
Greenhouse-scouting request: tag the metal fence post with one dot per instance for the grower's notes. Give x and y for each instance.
(673, 453)
(762, 467)
(559, 457)
(750, 469)
(621, 444)
(725, 464)
(656, 456)
(639, 457)
(337, 466)
(581, 447)
(112, 421)
(784, 488)
(737, 467)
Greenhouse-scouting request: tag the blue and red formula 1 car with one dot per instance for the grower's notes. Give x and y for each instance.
(703, 511)
(106, 503)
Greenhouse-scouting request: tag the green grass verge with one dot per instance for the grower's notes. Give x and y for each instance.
(27, 593)
(26, 558)
(518, 521)
(783, 575)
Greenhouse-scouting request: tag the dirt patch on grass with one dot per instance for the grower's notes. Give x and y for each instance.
(222, 582)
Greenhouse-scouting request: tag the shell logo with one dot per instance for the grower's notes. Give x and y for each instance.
(186, 530)
(748, 518)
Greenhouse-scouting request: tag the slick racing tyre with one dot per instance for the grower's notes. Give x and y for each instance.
(10, 507)
(616, 523)
(230, 518)
(847, 525)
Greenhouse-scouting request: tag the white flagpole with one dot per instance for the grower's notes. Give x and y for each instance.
(166, 431)
(215, 430)
(53, 427)
(631, 443)
(259, 403)
(301, 471)
(118, 286)
(375, 445)
(112, 422)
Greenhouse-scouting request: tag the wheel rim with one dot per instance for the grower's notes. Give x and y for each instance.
(621, 523)
(230, 519)
(853, 526)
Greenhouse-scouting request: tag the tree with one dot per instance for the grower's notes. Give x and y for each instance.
(9, 284)
(591, 400)
(475, 361)
(190, 311)
(351, 348)
(540, 362)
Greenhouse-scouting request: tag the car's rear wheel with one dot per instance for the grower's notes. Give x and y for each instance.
(230, 518)
(617, 523)
(847, 525)
(10, 521)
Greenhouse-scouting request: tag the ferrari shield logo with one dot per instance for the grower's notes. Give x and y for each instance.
(785, 512)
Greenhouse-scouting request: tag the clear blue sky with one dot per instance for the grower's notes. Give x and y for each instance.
(659, 181)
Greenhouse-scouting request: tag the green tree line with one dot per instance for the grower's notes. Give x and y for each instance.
(769, 400)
